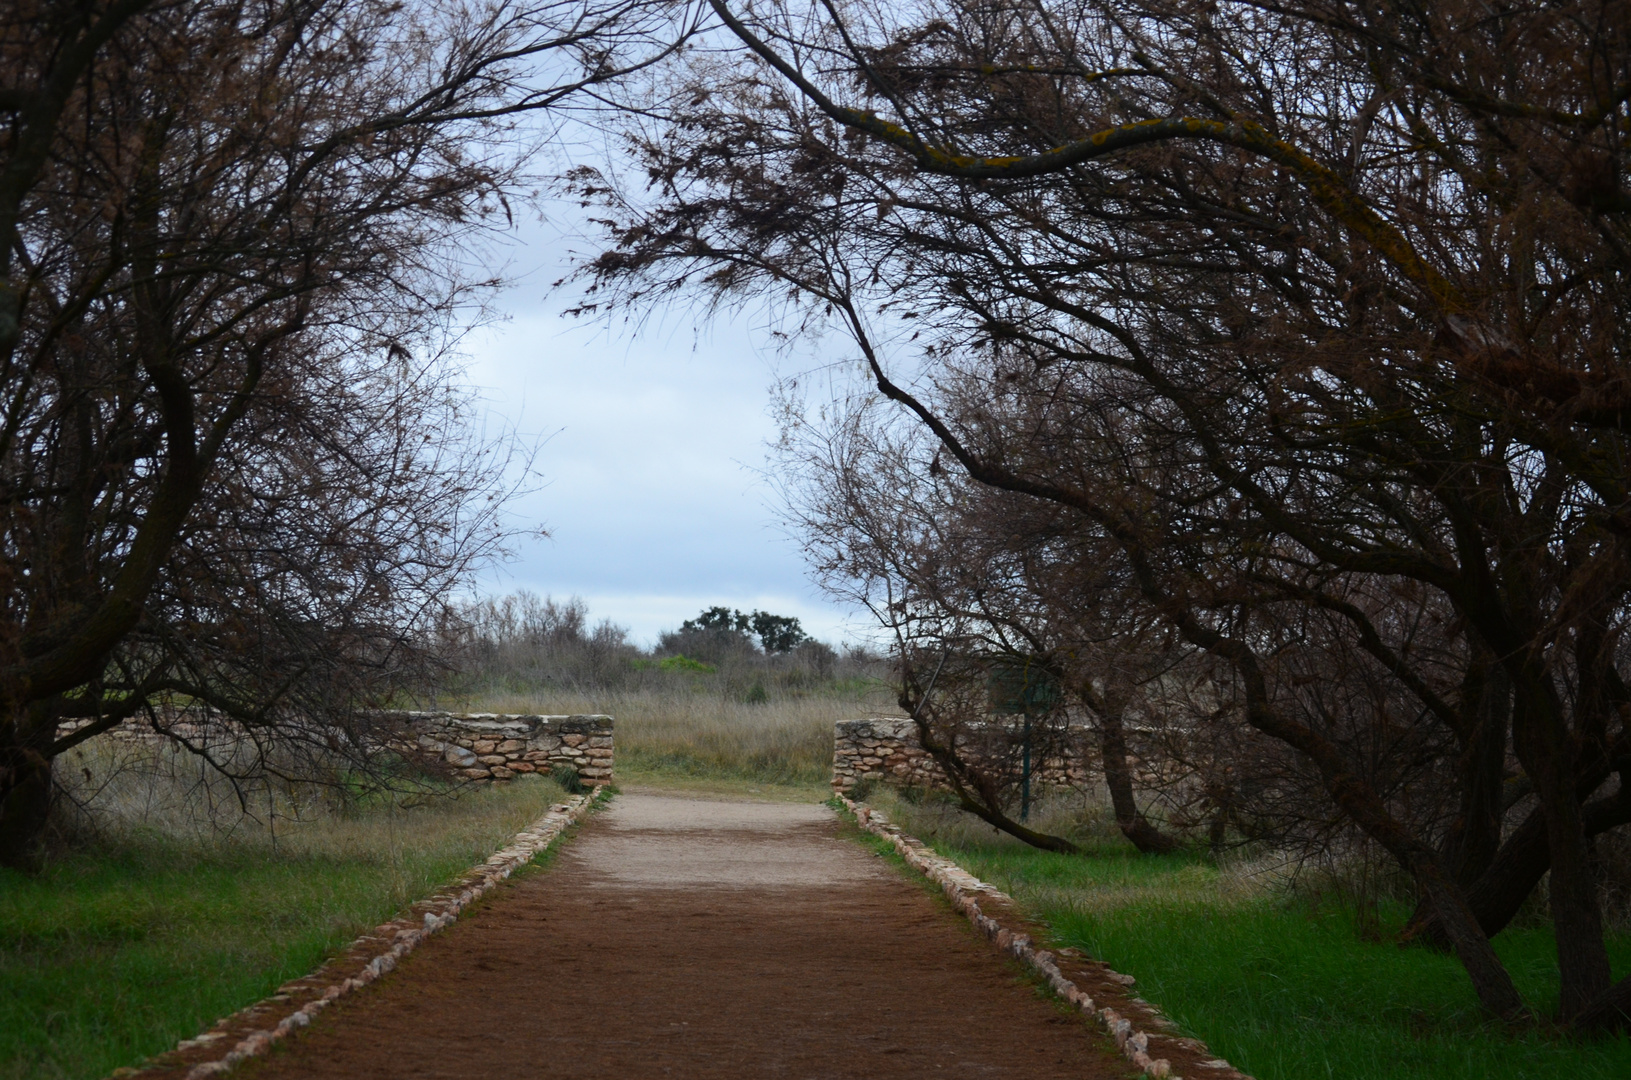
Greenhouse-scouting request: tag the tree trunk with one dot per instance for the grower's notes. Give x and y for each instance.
(1118, 777)
(1582, 954)
(1543, 744)
(998, 820)
(25, 794)
(1476, 837)
(1611, 1010)
(1490, 980)
(1517, 868)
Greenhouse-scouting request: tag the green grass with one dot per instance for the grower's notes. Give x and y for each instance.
(126, 945)
(1285, 988)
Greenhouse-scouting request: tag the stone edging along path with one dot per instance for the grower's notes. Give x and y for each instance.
(1140, 1046)
(254, 1030)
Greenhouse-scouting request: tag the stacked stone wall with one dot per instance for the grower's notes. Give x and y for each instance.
(887, 750)
(500, 746)
(475, 746)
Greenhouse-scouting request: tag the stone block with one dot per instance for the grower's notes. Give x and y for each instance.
(509, 746)
(475, 774)
(501, 773)
(491, 759)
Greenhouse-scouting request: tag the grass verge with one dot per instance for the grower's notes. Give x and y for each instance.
(145, 937)
(1285, 988)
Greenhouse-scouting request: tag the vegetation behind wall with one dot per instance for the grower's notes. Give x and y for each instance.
(524, 644)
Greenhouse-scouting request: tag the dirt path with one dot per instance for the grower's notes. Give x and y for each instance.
(687, 937)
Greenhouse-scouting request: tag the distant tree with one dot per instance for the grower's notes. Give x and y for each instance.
(719, 620)
(777, 633)
(524, 641)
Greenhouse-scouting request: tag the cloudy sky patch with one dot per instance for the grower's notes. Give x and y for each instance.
(649, 466)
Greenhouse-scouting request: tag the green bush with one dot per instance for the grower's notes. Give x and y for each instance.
(568, 779)
(681, 662)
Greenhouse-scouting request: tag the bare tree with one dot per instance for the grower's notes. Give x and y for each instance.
(1314, 312)
(523, 642)
(1011, 588)
(234, 237)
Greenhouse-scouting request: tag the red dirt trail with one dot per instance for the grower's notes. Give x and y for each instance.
(687, 937)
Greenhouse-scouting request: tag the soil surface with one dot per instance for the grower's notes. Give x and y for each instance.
(690, 937)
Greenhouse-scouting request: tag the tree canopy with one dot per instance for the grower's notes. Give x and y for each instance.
(237, 240)
(776, 633)
(1304, 322)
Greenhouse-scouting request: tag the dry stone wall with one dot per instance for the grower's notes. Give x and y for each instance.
(197, 727)
(501, 746)
(475, 746)
(887, 750)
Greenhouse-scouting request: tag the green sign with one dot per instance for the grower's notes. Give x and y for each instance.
(1022, 686)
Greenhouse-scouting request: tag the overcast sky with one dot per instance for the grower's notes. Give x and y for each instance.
(651, 450)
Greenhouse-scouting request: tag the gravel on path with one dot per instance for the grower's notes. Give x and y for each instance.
(688, 937)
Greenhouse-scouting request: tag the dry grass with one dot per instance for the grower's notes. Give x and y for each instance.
(142, 795)
(1082, 816)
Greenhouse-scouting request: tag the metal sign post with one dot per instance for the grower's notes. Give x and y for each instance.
(1025, 773)
(1025, 687)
